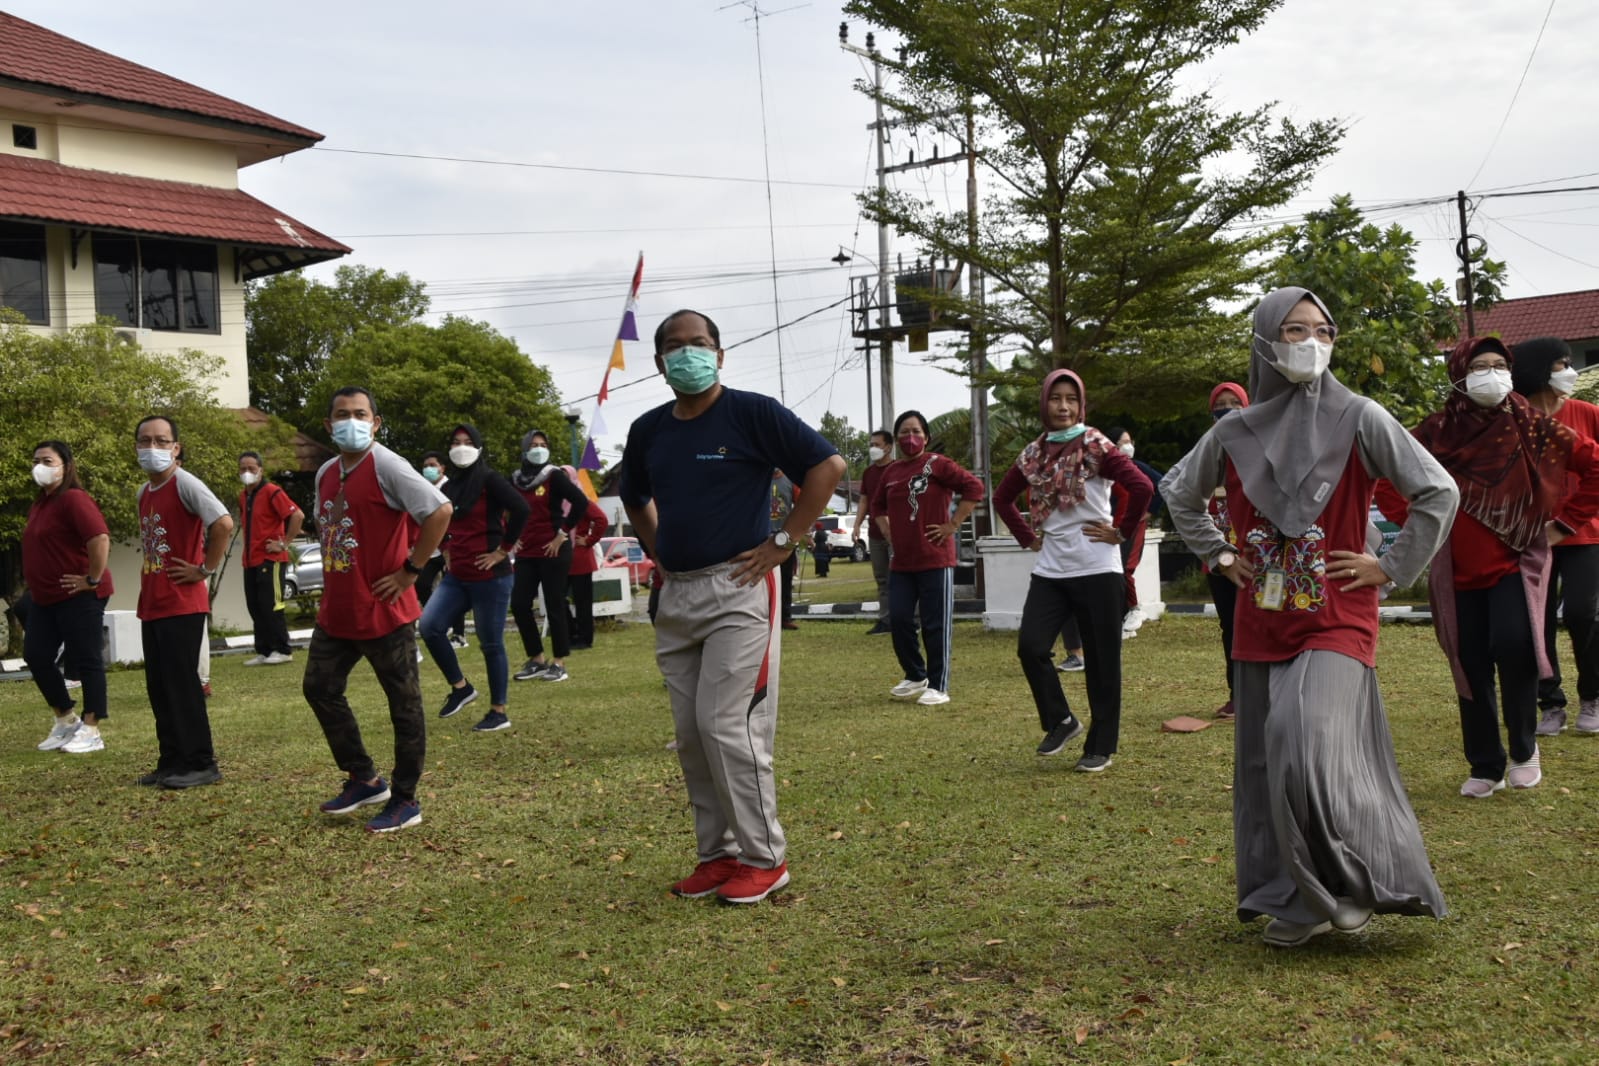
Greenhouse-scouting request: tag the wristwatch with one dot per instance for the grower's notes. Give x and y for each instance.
(1225, 559)
(411, 568)
(92, 582)
(783, 540)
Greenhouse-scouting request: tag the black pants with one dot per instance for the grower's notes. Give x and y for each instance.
(1573, 583)
(1224, 594)
(327, 674)
(550, 573)
(263, 598)
(78, 623)
(1097, 602)
(582, 623)
(427, 581)
(172, 681)
(1495, 633)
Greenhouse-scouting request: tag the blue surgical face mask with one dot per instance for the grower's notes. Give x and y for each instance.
(538, 456)
(352, 435)
(154, 460)
(691, 370)
(432, 473)
(1061, 436)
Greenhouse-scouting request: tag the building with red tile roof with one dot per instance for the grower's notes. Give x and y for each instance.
(119, 197)
(1571, 316)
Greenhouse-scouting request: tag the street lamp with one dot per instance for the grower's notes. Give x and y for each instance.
(572, 417)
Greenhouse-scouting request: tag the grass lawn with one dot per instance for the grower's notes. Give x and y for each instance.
(955, 898)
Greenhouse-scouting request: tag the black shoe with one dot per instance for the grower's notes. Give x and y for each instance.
(1059, 736)
(458, 698)
(210, 775)
(153, 778)
(879, 629)
(581, 645)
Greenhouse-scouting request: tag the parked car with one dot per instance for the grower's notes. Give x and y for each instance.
(626, 551)
(304, 571)
(834, 534)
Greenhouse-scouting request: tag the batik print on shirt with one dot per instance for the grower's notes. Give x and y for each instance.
(337, 533)
(153, 537)
(1301, 559)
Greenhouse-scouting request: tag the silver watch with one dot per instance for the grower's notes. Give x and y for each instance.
(783, 540)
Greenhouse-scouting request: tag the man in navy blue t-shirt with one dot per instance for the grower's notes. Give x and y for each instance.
(696, 482)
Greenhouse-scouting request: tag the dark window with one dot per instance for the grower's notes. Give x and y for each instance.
(155, 284)
(22, 261)
(24, 137)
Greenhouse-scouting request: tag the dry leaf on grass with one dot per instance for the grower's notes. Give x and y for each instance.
(1184, 723)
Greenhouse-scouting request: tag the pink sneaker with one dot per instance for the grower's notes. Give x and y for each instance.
(706, 878)
(1525, 774)
(1479, 788)
(752, 884)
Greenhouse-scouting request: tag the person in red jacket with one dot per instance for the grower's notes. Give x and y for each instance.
(1543, 374)
(1488, 583)
(65, 545)
(1067, 475)
(544, 557)
(271, 522)
(911, 505)
(585, 561)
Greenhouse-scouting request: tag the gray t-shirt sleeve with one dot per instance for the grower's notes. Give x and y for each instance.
(403, 488)
(1389, 451)
(198, 499)
(1187, 488)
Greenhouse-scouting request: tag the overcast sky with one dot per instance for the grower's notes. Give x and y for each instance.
(673, 87)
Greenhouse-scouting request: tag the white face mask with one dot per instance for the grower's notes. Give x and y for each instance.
(538, 455)
(464, 454)
(249, 477)
(875, 453)
(1126, 449)
(1564, 381)
(45, 476)
(1487, 388)
(1303, 361)
(154, 460)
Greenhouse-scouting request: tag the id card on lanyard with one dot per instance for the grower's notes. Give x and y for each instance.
(1274, 582)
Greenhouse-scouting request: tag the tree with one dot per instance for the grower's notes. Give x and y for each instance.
(1392, 327)
(850, 442)
(1118, 231)
(428, 379)
(89, 388)
(294, 324)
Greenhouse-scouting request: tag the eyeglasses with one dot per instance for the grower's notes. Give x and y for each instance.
(1295, 332)
(154, 442)
(1500, 365)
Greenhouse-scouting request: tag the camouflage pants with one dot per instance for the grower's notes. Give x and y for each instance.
(327, 672)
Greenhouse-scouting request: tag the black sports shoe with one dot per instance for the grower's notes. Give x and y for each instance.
(1057, 738)
(208, 776)
(879, 629)
(458, 698)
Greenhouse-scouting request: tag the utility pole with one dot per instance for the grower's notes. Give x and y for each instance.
(879, 130)
(1463, 249)
(976, 337)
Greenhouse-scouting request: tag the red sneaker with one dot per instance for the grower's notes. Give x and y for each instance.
(1225, 712)
(751, 884)
(707, 878)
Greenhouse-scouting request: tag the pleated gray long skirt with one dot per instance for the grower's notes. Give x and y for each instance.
(1318, 808)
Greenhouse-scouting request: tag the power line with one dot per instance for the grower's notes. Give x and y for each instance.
(1515, 95)
(577, 169)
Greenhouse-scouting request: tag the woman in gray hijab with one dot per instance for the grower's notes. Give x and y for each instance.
(1324, 834)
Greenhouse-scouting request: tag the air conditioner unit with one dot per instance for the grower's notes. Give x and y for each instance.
(133, 335)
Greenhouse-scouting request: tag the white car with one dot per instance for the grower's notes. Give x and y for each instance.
(834, 534)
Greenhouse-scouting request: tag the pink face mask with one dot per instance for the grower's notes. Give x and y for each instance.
(911, 447)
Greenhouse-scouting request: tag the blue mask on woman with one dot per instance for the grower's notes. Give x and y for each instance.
(691, 370)
(1061, 436)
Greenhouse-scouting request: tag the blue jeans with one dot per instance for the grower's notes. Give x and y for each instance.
(489, 601)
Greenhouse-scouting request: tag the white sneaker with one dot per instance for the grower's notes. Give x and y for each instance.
(908, 689)
(277, 658)
(932, 698)
(61, 732)
(259, 660)
(72, 684)
(459, 641)
(418, 654)
(84, 741)
(1132, 622)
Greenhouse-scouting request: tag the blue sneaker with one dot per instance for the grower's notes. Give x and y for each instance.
(397, 814)
(458, 698)
(357, 794)
(493, 722)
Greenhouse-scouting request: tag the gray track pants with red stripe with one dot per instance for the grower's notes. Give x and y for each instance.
(718, 647)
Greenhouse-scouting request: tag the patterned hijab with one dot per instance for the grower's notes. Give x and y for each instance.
(1057, 474)
(1509, 460)
(1291, 444)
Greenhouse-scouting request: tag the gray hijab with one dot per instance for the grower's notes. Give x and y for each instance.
(1291, 444)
